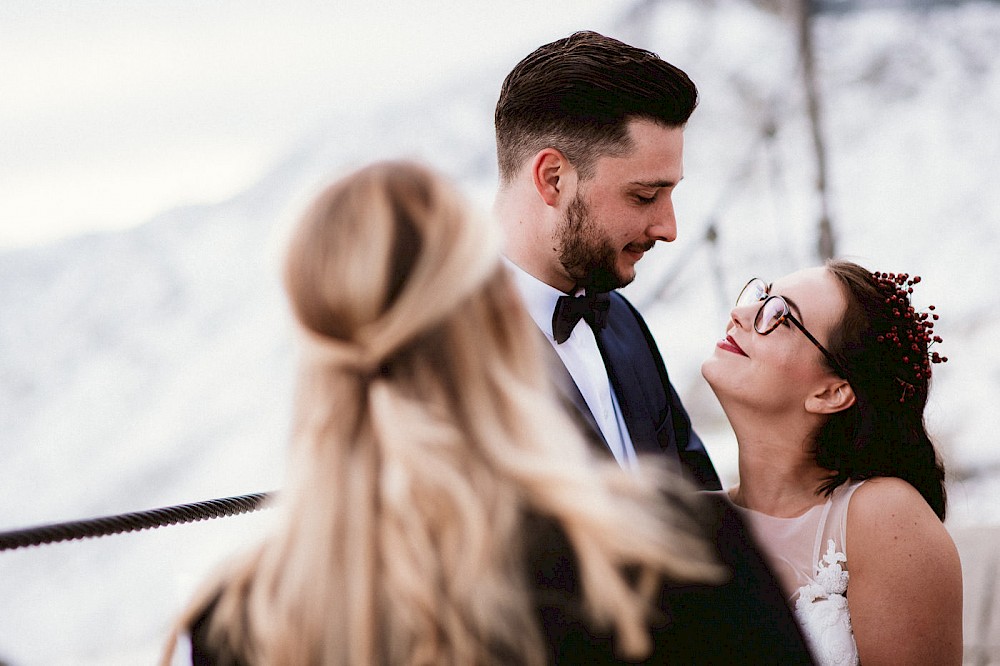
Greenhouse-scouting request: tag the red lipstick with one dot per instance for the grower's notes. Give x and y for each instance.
(729, 345)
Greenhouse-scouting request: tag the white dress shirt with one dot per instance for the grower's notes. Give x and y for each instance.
(583, 360)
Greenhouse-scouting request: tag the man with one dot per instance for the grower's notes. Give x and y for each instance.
(590, 135)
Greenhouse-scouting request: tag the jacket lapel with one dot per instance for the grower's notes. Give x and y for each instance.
(622, 352)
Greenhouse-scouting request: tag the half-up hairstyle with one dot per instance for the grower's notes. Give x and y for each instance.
(883, 345)
(424, 435)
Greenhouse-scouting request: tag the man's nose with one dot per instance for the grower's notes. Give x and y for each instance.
(664, 228)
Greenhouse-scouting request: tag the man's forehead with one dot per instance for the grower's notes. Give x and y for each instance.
(655, 154)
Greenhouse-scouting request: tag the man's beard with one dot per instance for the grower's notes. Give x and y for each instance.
(585, 253)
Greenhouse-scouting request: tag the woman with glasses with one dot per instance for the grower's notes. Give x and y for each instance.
(824, 375)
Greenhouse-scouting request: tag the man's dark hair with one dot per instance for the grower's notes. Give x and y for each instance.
(578, 95)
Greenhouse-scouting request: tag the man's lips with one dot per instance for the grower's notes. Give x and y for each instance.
(639, 249)
(729, 345)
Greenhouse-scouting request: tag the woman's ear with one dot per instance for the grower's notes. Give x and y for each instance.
(833, 397)
(552, 175)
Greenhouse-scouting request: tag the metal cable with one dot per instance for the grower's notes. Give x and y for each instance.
(132, 522)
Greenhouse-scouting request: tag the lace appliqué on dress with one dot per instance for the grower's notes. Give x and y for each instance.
(821, 609)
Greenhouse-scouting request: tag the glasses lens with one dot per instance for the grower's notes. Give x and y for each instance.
(770, 314)
(754, 292)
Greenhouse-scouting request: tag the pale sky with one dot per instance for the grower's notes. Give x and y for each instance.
(115, 110)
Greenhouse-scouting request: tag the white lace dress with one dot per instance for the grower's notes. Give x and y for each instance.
(807, 554)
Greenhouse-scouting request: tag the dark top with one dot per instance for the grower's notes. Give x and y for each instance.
(743, 621)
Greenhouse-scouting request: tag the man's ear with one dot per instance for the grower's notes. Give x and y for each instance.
(833, 397)
(552, 175)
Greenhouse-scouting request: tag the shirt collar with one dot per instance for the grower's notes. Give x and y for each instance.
(538, 297)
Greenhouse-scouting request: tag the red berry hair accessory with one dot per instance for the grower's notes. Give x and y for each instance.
(910, 332)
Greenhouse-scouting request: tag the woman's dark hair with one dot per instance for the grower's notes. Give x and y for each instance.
(883, 344)
(578, 95)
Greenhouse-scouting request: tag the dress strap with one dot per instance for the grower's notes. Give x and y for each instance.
(842, 497)
(817, 544)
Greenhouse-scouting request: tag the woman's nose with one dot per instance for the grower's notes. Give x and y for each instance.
(740, 315)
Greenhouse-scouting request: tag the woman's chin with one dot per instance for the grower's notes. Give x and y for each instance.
(719, 379)
(710, 371)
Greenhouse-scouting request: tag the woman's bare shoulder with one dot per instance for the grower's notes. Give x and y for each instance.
(905, 591)
(888, 511)
(887, 499)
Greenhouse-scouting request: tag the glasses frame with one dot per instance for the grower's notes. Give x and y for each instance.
(786, 313)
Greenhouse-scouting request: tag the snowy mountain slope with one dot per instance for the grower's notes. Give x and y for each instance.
(153, 366)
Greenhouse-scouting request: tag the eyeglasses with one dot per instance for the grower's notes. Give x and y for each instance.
(773, 312)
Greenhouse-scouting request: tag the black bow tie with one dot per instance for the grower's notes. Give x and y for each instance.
(592, 308)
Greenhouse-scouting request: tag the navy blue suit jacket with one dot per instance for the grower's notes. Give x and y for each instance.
(656, 419)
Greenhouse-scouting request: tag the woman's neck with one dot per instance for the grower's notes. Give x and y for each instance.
(778, 472)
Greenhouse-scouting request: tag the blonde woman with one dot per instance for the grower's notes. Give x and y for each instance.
(439, 506)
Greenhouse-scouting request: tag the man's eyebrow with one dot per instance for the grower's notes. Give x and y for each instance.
(656, 183)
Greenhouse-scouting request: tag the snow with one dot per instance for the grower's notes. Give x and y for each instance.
(153, 366)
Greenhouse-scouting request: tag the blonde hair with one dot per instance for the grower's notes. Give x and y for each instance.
(424, 434)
